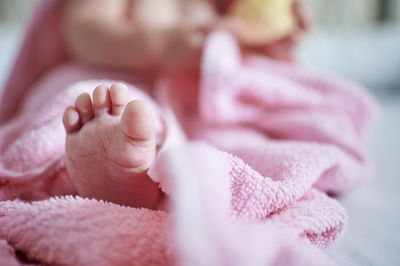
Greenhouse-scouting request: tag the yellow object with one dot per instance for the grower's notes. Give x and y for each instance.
(263, 21)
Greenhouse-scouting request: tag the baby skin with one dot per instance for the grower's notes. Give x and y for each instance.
(109, 147)
(111, 143)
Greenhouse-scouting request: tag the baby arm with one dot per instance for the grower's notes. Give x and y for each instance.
(97, 32)
(129, 34)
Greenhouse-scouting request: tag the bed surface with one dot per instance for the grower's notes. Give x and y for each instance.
(372, 57)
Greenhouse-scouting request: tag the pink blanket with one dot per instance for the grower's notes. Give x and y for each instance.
(249, 152)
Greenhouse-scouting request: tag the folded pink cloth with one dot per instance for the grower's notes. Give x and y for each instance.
(279, 138)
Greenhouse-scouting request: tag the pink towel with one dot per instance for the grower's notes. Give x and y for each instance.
(281, 138)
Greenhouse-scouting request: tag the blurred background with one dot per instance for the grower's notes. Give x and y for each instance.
(357, 39)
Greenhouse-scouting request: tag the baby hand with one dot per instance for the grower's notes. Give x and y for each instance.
(183, 43)
(281, 48)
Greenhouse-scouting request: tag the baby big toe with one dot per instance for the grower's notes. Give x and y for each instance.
(137, 121)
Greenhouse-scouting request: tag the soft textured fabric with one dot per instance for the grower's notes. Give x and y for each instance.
(275, 139)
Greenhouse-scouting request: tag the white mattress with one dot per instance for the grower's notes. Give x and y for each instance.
(371, 57)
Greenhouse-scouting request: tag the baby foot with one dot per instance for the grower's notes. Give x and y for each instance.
(110, 145)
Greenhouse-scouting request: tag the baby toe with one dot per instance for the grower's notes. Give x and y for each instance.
(71, 120)
(101, 100)
(119, 95)
(84, 106)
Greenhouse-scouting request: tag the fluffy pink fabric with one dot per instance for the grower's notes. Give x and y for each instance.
(282, 137)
